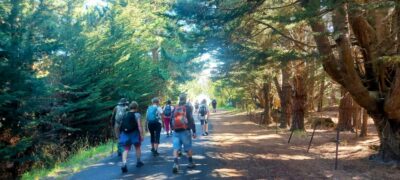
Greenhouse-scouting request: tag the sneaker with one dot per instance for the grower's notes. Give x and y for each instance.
(124, 169)
(155, 153)
(152, 150)
(119, 154)
(206, 133)
(175, 168)
(191, 165)
(179, 153)
(139, 164)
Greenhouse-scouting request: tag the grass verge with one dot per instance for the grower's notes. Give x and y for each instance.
(80, 160)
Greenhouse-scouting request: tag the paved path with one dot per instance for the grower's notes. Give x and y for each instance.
(157, 167)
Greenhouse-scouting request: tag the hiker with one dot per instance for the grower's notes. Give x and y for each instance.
(185, 129)
(214, 105)
(154, 124)
(116, 119)
(204, 113)
(167, 114)
(196, 106)
(131, 134)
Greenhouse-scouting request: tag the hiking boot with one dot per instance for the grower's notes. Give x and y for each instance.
(175, 168)
(139, 164)
(179, 153)
(152, 150)
(119, 154)
(206, 133)
(124, 169)
(191, 165)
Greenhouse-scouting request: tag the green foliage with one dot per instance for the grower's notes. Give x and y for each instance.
(64, 65)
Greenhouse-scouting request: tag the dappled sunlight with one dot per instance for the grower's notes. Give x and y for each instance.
(238, 123)
(225, 172)
(283, 157)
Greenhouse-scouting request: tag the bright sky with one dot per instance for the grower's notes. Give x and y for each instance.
(91, 3)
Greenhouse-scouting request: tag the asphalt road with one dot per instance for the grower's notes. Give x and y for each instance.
(157, 167)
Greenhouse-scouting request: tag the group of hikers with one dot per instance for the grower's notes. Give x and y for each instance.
(177, 121)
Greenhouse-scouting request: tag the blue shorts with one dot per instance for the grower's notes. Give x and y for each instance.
(128, 139)
(182, 138)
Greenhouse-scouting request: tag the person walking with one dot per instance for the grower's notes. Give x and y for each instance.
(196, 106)
(116, 119)
(204, 114)
(131, 134)
(154, 124)
(184, 130)
(214, 105)
(167, 114)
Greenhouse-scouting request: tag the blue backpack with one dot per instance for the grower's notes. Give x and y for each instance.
(167, 111)
(152, 114)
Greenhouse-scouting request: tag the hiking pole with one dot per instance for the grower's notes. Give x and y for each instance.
(276, 127)
(312, 136)
(337, 148)
(290, 137)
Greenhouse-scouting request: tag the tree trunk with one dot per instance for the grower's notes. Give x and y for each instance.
(321, 94)
(299, 103)
(389, 135)
(345, 113)
(285, 96)
(369, 87)
(267, 104)
(332, 101)
(357, 110)
(364, 126)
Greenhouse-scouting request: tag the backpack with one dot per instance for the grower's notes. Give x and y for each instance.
(167, 111)
(203, 110)
(214, 102)
(180, 120)
(152, 114)
(129, 123)
(120, 114)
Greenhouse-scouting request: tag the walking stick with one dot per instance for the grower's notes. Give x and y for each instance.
(337, 148)
(312, 136)
(290, 137)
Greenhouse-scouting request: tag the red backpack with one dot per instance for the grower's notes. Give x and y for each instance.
(180, 120)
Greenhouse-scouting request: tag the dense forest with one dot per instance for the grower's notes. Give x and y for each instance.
(64, 64)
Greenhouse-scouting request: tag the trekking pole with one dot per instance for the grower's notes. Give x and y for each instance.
(290, 137)
(312, 136)
(337, 148)
(276, 127)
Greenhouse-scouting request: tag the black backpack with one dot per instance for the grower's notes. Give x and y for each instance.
(203, 110)
(129, 123)
(167, 111)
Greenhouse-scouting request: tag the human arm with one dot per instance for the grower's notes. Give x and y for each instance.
(139, 123)
(189, 116)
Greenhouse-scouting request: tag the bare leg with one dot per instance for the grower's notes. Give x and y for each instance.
(124, 156)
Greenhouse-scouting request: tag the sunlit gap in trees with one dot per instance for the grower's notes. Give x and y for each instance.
(94, 3)
(204, 77)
